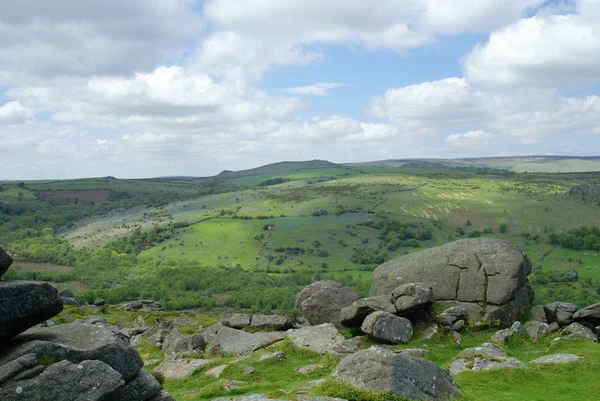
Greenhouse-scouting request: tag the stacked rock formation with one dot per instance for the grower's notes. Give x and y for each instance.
(69, 362)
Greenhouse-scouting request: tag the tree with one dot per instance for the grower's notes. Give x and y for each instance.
(503, 228)
(21, 184)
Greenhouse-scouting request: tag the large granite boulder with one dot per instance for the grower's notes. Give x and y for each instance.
(410, 297)
(270, 322)
(175, 342)
(560, 312)
(323, 339)
(74, 362)
(589, 314)
(486, 357)
(5, 261)
(321, 302)
(180, 369)
(236, 320)
(24, 304)
(69, 298)
(239, 342)
(380, 369)
(486, 276)
(387, 327)
(355, 314)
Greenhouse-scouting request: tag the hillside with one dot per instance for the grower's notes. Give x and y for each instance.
(520, 164)
(277, 168)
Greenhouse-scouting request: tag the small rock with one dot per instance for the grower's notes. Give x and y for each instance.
(236, 320)
(313, 383)
(538, 314)
(387, 327)
(216, 371)
(458, 325)
(457, 338)
(502, 336)
(248, 370)
(432, 333)
(273, 356)
(536, 330)
(99, 302)
(556, 358)
(180, 369)
(452, 315)
(412, 296)
(305, 370)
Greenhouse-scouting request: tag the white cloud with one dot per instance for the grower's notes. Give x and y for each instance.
(14, 112)
(471, 140)
(544, 50)
(72, 37)
(317, 89)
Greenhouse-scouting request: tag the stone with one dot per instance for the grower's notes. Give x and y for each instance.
(306, 370)
(140, 323)
(5, 261)
(458, 325)
(560, 312)
(143, 387)
(578, 331)
(175, 342)
(321, 302)
(487, 273)
(355, 314)
(65, 381)
(248, 370)
(553, 327)
(502, 336)
(99, 302)
(270, 322)
(217, 371)
(556, 359)
(589, 315)
(175, 369)
(214, 350)
(274, 356)
(380, 369)
(323, 339)
(457, 338)
(517, 329)
(432, 332)
(412, 352)
(412, 296)
(538, 314)
(486, 357)
(239, 342)
(236, 320)
(387, 327)
(76, 342)
(302, 398)
(452, 315)
(536, 329)
(313, 383)
(24, 304)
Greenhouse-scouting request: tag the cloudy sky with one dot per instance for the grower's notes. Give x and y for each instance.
(144, 88)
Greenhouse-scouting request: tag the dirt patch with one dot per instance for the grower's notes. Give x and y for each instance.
(83, 195)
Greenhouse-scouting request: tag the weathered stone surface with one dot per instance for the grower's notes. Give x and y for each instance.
(432, 332)
(5, 261)
(501, 336)
(65, 381)
(69, 298)
(387, 327)
(556, 359)
(143, 387)
(536, 330)
(486, 357)
(489, 273)
(355, 314)
(452, 315)
(560, 312)
(76, 343)
(412, 296)
(303, 398)
(321, 302)
(323, 339)
(380, 369)
(271, 322)
(175, 342)
(236, 320)
(24, 304)
(306, 370)
(240, 342)
(173, 369)
(217, 371)
(578, 331)
(590, 315)
(538, 314)
(412, 352)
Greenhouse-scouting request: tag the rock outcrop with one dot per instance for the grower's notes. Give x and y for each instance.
(355, 314)
(380, 369)
(69, 362)
(239, 342)
(321, 302)
(324, 339)
(584, 192)
(589, 315)
(5, 261)
(24, 304)
(387, 327)
(486, 357)
(486, 276)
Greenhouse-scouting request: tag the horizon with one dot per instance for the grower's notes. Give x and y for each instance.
(148, 88)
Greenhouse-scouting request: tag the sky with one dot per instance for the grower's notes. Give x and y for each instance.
(149, 88)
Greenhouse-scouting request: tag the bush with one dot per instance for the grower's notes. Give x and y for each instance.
(475, 234)
(503, 228)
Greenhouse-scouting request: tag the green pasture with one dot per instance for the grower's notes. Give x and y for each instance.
(255, 180)
(12, 194)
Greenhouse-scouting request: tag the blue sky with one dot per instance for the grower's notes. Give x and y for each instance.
(146, 88)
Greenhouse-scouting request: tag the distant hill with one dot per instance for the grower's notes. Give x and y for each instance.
(539, 164)
(276, 168)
